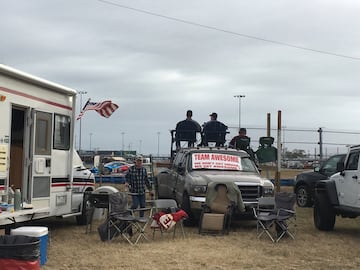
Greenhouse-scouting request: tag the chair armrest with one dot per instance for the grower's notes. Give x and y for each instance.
(141, 209)
(285, 211)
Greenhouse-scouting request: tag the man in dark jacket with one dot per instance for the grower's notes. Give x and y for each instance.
(186, 130)
(214, 131)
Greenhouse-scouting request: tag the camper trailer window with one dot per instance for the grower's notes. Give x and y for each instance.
(43, 133)
(62, 132)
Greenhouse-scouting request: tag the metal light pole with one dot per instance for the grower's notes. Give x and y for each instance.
(239, 97)
(90, 139)
(122, 141)
(158, 146)
(81, 93)
(283, 144)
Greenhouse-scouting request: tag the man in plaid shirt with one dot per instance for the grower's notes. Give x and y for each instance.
(136, 179)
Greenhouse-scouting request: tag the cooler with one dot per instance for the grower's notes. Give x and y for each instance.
(41, 233)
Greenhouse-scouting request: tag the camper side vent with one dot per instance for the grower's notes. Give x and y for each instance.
(41, 187)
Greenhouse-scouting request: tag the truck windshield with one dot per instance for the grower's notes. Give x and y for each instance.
(219, 161)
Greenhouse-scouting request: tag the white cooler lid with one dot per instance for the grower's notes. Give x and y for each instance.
(30, 231)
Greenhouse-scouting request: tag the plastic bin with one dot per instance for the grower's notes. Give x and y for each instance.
(41, 233)
(19, 252)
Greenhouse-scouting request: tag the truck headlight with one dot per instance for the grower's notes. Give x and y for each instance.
(268, 191)
(200, 189)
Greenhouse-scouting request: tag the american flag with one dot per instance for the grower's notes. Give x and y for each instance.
(105, 108)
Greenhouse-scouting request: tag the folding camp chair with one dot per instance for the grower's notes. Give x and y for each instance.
(286, 215)
(214, 131)
(123, 221)
(186, 130)
(266, 217)
(217, 211)
(276, 212)
(167, 217)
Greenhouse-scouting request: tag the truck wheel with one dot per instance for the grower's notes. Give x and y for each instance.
(156, 188)
(186, 207)
(84, 219)
(303, 196)
(324, 215)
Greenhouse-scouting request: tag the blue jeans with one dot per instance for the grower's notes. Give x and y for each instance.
(138, 199)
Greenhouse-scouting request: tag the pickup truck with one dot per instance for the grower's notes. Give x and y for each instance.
(194, 168)
(339, 195)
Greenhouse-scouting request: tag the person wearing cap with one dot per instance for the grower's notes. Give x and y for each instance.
(213, 116)
(214, 128)
(186, 130)
(136, 179)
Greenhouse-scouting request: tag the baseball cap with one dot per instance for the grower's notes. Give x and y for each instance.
(242, 130)
(214, 114)
(139, 157)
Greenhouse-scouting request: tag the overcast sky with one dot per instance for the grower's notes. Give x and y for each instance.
(156, 59)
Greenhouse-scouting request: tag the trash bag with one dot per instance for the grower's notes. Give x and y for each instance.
(19, 252)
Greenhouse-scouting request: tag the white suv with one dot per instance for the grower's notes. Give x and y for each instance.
(340, 195)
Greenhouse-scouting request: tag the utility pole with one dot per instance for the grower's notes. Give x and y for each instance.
(122, 141)
(158, 144)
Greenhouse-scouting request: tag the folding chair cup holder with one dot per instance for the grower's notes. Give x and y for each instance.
(276, 216)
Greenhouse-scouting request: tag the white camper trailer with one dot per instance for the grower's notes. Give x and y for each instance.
(37, 155)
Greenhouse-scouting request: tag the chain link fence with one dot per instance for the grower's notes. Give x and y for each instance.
(317, 143)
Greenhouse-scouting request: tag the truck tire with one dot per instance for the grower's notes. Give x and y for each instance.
(324, 215)
(303, 196)
(185, 205)
(84, 219)
(156, 188)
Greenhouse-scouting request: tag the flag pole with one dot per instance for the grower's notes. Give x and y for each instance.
(81, 93)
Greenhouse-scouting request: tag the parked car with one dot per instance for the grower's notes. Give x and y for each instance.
(112, 167)
(305, 182)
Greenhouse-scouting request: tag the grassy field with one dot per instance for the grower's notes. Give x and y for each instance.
(71, 248)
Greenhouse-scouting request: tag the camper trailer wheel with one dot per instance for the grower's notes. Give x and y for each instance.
(83, 219)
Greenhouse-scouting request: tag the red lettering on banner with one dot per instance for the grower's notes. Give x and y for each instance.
(202, 156)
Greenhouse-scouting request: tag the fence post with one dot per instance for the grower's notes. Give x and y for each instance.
(320, 144)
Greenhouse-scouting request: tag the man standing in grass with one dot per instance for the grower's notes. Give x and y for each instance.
(136, 179)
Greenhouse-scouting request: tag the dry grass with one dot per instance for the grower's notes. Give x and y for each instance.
(71, 248)
(269, 172)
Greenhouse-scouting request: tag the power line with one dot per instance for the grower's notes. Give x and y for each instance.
(228, 31)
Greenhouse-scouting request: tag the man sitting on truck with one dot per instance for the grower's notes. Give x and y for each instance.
(186, 130)
(214, 131)
(241, 141)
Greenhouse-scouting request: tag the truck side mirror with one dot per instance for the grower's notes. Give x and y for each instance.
(181, 169)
